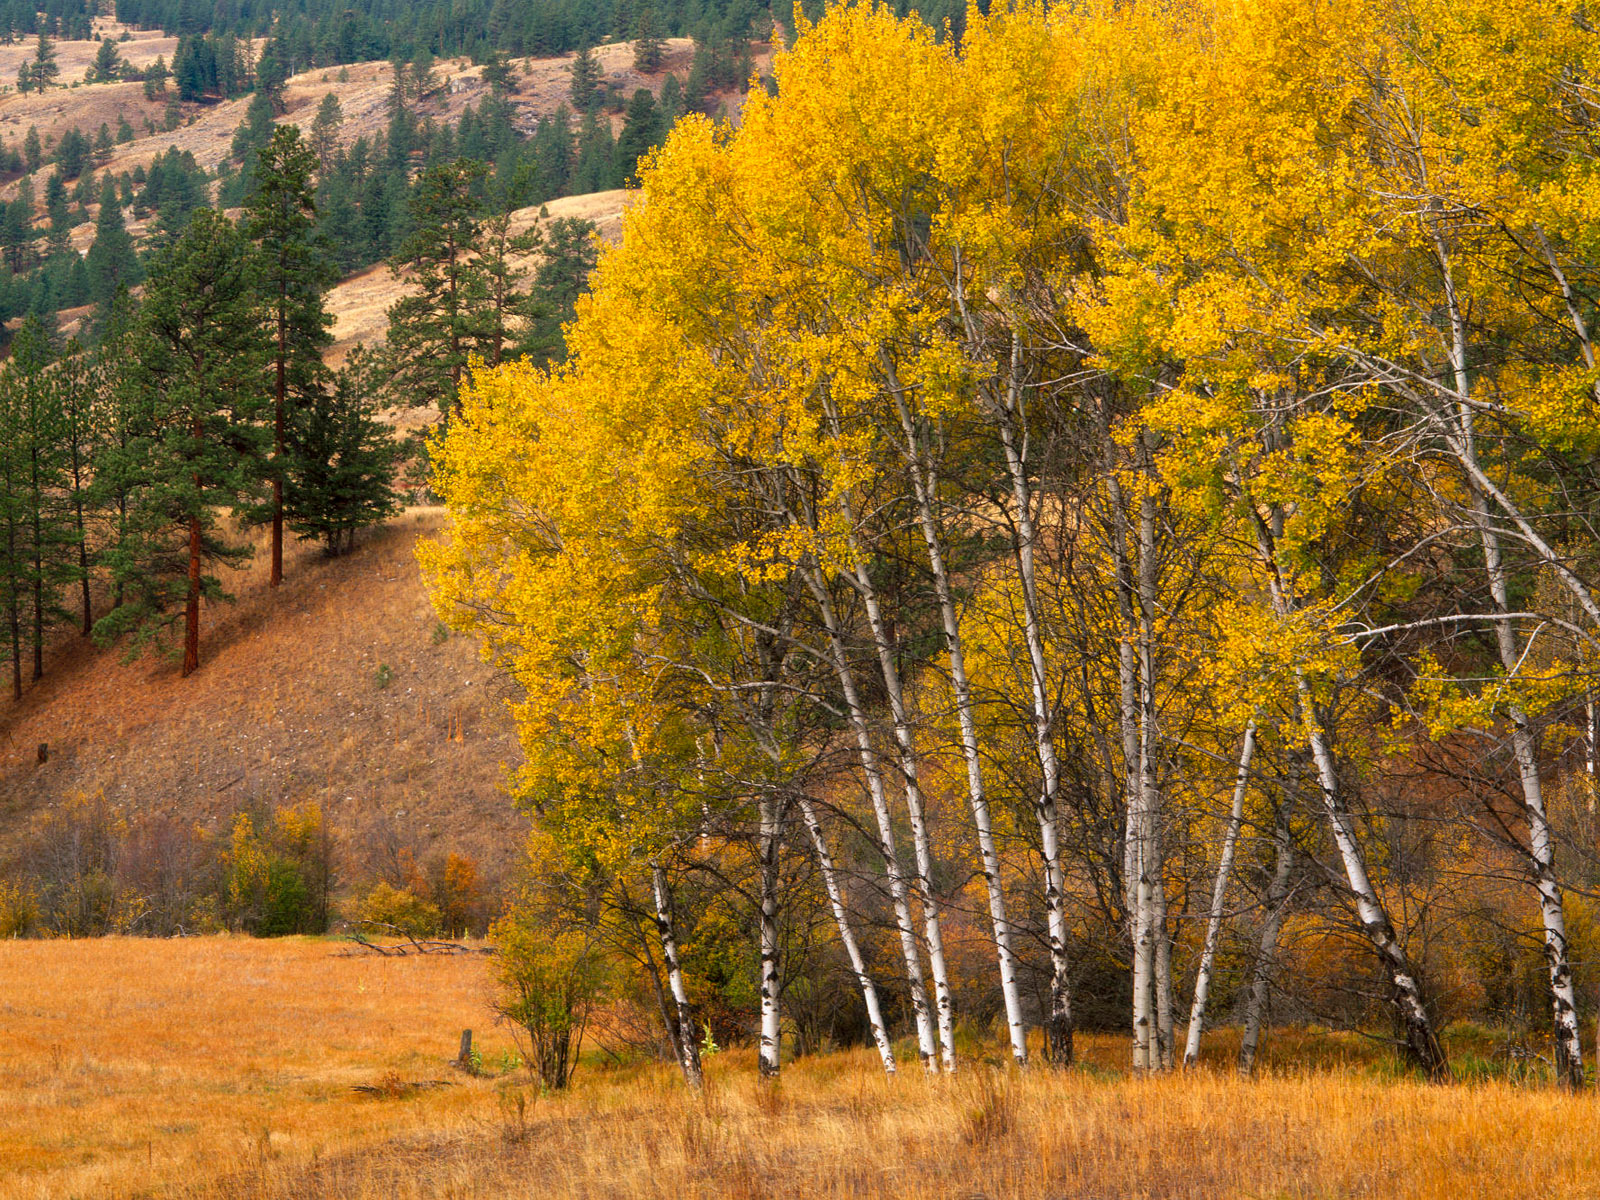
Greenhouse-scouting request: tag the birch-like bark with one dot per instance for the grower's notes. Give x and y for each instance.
(770, 834)
(923, 482)
(872, 770)
(1219, 897)
(1058, 1022)
(1152, 865)
(1524, 743)
(1421, 1042)
(847, 937)
(905, 750)
(1267, 949)
(688, 1048)
(1135, 878)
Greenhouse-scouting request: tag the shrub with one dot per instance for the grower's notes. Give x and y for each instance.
(547, 983)
(386, 904)
(19, 910)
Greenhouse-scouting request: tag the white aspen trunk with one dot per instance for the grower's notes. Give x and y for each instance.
(1135, 880)
(1524, 743)
(923, 483)
(688, 1049)
(1162, 979)
(1058, 1022)
(1267, 950)
(1152, 879)
(922, 846)
(771, 1042)
(1591, 739)
(873, 771)
(905, 749)
(1421, 1042)
(847, 937)
(1219, 896)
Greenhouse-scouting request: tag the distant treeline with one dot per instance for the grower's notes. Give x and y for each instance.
(85, 870)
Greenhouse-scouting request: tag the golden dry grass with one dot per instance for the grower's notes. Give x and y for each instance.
(221, 1067)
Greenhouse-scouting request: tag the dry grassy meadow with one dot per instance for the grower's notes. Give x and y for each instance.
(224, 1067)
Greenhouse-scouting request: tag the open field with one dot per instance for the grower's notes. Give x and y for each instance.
(221, 1067)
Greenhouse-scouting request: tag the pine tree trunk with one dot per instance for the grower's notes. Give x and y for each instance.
(688, 1048)
(1267, 950)
(281, 391)
(771, 1042)
(1219, 896)
(191, 616)
(872, 770)
(847, 937)
(79, 525)
(38, 559)
(924, 483)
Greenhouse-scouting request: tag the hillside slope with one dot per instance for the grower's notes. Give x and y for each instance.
(290, 704)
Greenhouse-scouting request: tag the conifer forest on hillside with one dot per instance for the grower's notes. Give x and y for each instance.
(695, 598)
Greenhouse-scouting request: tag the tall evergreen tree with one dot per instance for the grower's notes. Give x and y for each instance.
(295, 271)
(642, 131)
(113, 264)
(649, 50)
(342, 460)
(568, 253)
(584, 87)
(432, 331)
(195, 403)
(42, 68)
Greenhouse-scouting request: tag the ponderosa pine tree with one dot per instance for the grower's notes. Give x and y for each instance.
(195, 409)
(341, 459)
(112, 261)
(41, 70)
(433, 330)
(584, 87)
(325, 130)
(648, 47)
(295, 271)
(568, 247)
(39, 427)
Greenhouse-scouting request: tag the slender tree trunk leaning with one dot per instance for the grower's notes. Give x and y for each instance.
(923, 483)
(847, 937)
(872, 770)
(1524, 742)
(688, 1048)
(1219, 896)
(1421, 1042)
(905, 748)
(771, 1043)
(1267, 949)
(1058, 1021)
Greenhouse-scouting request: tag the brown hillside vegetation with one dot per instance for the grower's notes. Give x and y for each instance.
(360, 304)
(362, 89)
(288, 706)
(207, 1068)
